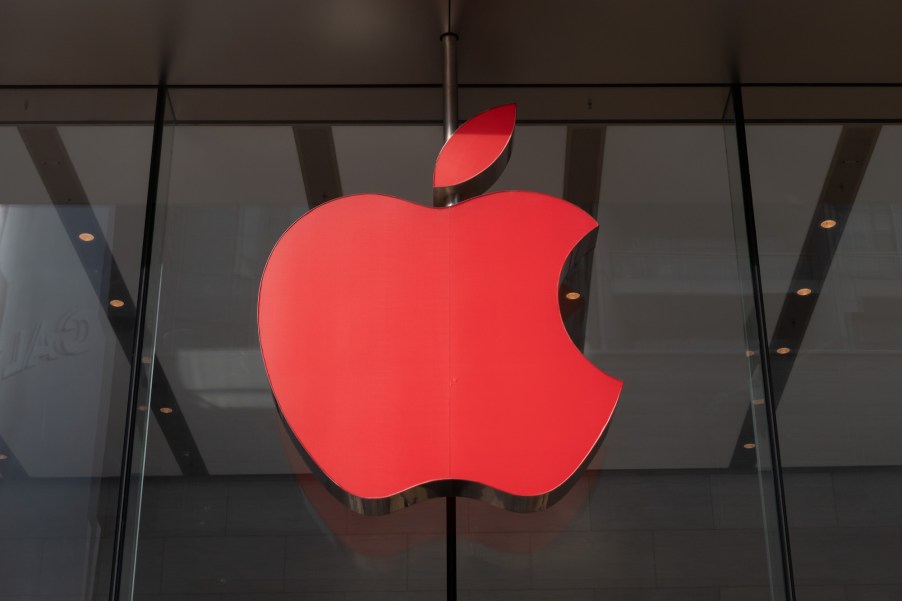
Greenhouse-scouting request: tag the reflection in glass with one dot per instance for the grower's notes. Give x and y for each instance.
(71, 222)
(229, 506)
(839, 417)
(661, 511)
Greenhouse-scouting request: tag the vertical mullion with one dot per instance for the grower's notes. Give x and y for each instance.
(137, 344)
(763, 345)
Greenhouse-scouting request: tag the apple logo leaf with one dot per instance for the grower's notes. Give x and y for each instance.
(475, 156)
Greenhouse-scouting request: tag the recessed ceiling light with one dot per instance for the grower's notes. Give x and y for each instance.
(828, 223)
(116, 303)
(572, 296)
(166, 410)
(803, 291)
(783, 350)
(748, 445)
(750, 353)
(757, 401)
(142, 407)
(3, 456)
(86, 236)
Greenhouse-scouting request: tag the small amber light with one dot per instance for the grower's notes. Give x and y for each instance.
(166, 410)
(3, 456)
(142, 407)
(803, 291)
(116, 303)
(86, 236)
(783, 350)
(750, 354)
(572, 296)
(828, 223)
(757, 401)
(748, 445)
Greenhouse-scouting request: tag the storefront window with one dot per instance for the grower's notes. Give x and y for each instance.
(74, 168)
(729, 471)
(660, 512)
(827, 201)
(229, 506)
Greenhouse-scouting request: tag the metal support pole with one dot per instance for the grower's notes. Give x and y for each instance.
(451, 546)
(449, 82)
(449, 96)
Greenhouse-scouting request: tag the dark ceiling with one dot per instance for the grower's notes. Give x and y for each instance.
(501, 41)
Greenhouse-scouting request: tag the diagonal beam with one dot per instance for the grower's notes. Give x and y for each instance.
(847, 169)
(319, 163)
(582, 184)
(55, 168)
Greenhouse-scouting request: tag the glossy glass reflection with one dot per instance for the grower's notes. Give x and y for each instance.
(71, 223)
(231, 509)
(229, 505)
(661, 512)
(838, 412)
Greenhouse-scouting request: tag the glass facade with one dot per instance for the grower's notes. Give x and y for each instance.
(745, 286)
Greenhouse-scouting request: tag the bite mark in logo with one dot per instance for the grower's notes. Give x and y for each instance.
(417, 352)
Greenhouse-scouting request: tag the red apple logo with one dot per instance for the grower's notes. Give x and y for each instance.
(417, 352)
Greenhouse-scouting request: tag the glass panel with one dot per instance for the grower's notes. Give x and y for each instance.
(838, 385)
(73, 186)
(753, 448)
(662, 512)
(229, 506)
(134, 492)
